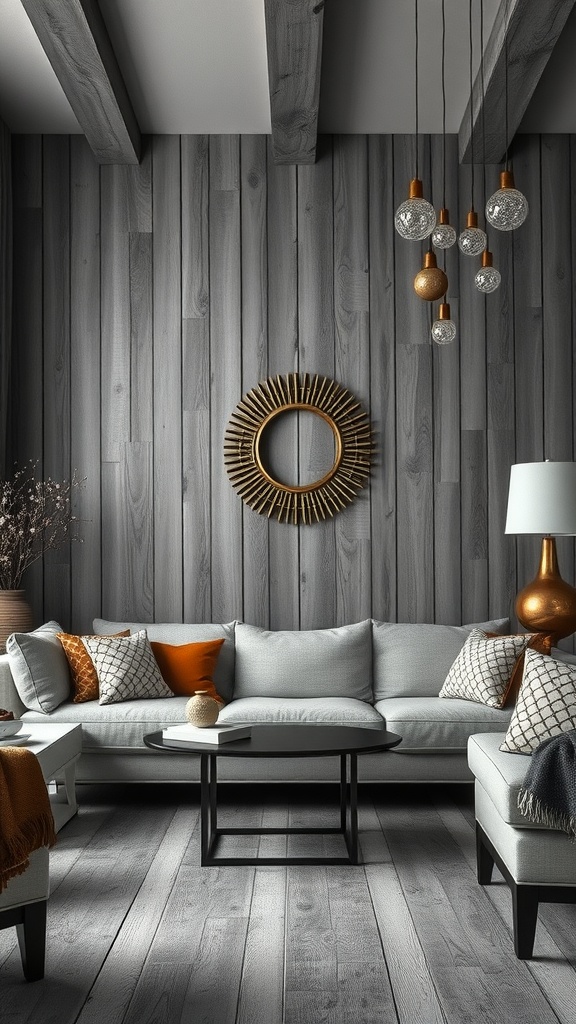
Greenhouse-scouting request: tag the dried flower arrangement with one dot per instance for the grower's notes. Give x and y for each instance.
(35, 516)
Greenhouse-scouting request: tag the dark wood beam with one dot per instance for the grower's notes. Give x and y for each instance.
(294, 44)
(77, 44)
(528, 39)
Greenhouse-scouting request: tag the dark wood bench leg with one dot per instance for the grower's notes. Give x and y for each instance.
(484, 860)
(32, 940)
(524, 916)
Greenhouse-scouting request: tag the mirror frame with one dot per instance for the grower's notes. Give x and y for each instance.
(354, 448)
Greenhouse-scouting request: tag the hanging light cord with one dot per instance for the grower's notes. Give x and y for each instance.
(416, 80)
(443, 104)
(483, 97)
(471, 109)
(506, 17)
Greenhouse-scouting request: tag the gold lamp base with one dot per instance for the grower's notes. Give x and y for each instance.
(548, 603)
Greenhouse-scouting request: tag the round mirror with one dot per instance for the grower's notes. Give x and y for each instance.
(251, 454)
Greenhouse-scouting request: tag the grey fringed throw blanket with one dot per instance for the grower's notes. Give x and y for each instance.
(548, 792)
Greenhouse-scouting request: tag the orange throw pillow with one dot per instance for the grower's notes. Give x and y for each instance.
(82, 671)
(187, 668)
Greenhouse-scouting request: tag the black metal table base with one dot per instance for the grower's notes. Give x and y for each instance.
(211, 833)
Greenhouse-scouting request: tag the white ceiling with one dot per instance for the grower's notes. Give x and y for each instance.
(199, 66)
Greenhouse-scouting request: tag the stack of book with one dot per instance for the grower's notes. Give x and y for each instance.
(187, 735)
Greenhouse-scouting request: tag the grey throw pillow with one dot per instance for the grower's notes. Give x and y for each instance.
(39, 667)
(187, 633)
(304, 663)
(412, 659)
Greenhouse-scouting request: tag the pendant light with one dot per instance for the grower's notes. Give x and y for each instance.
(431, 282)
(415, 217)
(443, 329)
(472, 240)
(507, 208)
(443, 235)
(487, 278)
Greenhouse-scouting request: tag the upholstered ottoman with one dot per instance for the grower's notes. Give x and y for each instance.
(538, 863)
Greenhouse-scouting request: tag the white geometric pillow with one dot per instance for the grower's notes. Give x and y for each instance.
(482, 670)
(546, 704)
(126, 668)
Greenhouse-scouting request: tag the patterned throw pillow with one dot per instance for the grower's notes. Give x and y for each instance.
(546, 704)
(483, 669)
(82, 671)
(126, 668)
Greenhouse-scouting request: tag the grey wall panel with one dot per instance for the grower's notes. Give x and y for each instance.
(148, 299)
(85, 397)
(382, 375)
(282, 214)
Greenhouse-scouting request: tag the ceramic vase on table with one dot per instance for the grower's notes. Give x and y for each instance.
(15, 615)
(202, 710)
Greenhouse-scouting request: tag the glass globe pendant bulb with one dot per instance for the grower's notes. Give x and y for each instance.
(443, 329)
(444, 234)
(507, 208)
(488, 278)
(473, 240)
(415, 217)
(431, 282)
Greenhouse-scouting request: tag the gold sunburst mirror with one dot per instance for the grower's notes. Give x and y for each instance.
(353, 448)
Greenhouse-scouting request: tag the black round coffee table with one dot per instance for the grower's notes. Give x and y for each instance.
(343, 741)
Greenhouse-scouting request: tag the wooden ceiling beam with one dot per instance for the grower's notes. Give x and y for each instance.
(294, 45)
(527, 38)
(76, 42)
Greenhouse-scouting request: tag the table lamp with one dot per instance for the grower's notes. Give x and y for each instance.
(542, 500)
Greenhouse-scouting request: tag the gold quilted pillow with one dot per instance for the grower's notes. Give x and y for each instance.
(83, 674)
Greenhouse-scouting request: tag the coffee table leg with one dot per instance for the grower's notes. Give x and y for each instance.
(353, 809)
(213, 800)
(343, 794)
(204, 809)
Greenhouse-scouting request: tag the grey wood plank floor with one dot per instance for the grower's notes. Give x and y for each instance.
(139, 933)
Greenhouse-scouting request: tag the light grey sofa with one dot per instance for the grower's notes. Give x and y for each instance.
(375, 674)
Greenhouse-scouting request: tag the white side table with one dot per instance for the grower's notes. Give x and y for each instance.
(57, 748)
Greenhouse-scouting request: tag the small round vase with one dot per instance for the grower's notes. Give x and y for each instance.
(15, 615)
(202, 710)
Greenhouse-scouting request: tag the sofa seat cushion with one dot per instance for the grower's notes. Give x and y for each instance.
(433, 724)
(120, 726)
(304, 663)
(412, 659)
(332, 710)
(187, 633)
(500, 774)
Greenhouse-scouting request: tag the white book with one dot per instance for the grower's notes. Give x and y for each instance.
(184, 735)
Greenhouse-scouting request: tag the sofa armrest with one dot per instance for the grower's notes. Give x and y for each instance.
(9, 699)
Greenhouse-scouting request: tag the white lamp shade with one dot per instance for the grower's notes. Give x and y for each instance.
(542, 498)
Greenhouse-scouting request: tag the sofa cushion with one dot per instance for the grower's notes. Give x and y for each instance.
(187, 633)
(117, 726)
(39, 667)
(304, 663)
(546, 704)
(483, 669)
(500, 774)
(432, 724)
(332, 710)
(126, 668)
(412, 659)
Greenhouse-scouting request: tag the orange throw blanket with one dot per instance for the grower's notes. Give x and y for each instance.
(26, 821)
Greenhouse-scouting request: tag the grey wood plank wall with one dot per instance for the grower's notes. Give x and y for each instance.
(148, 299)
